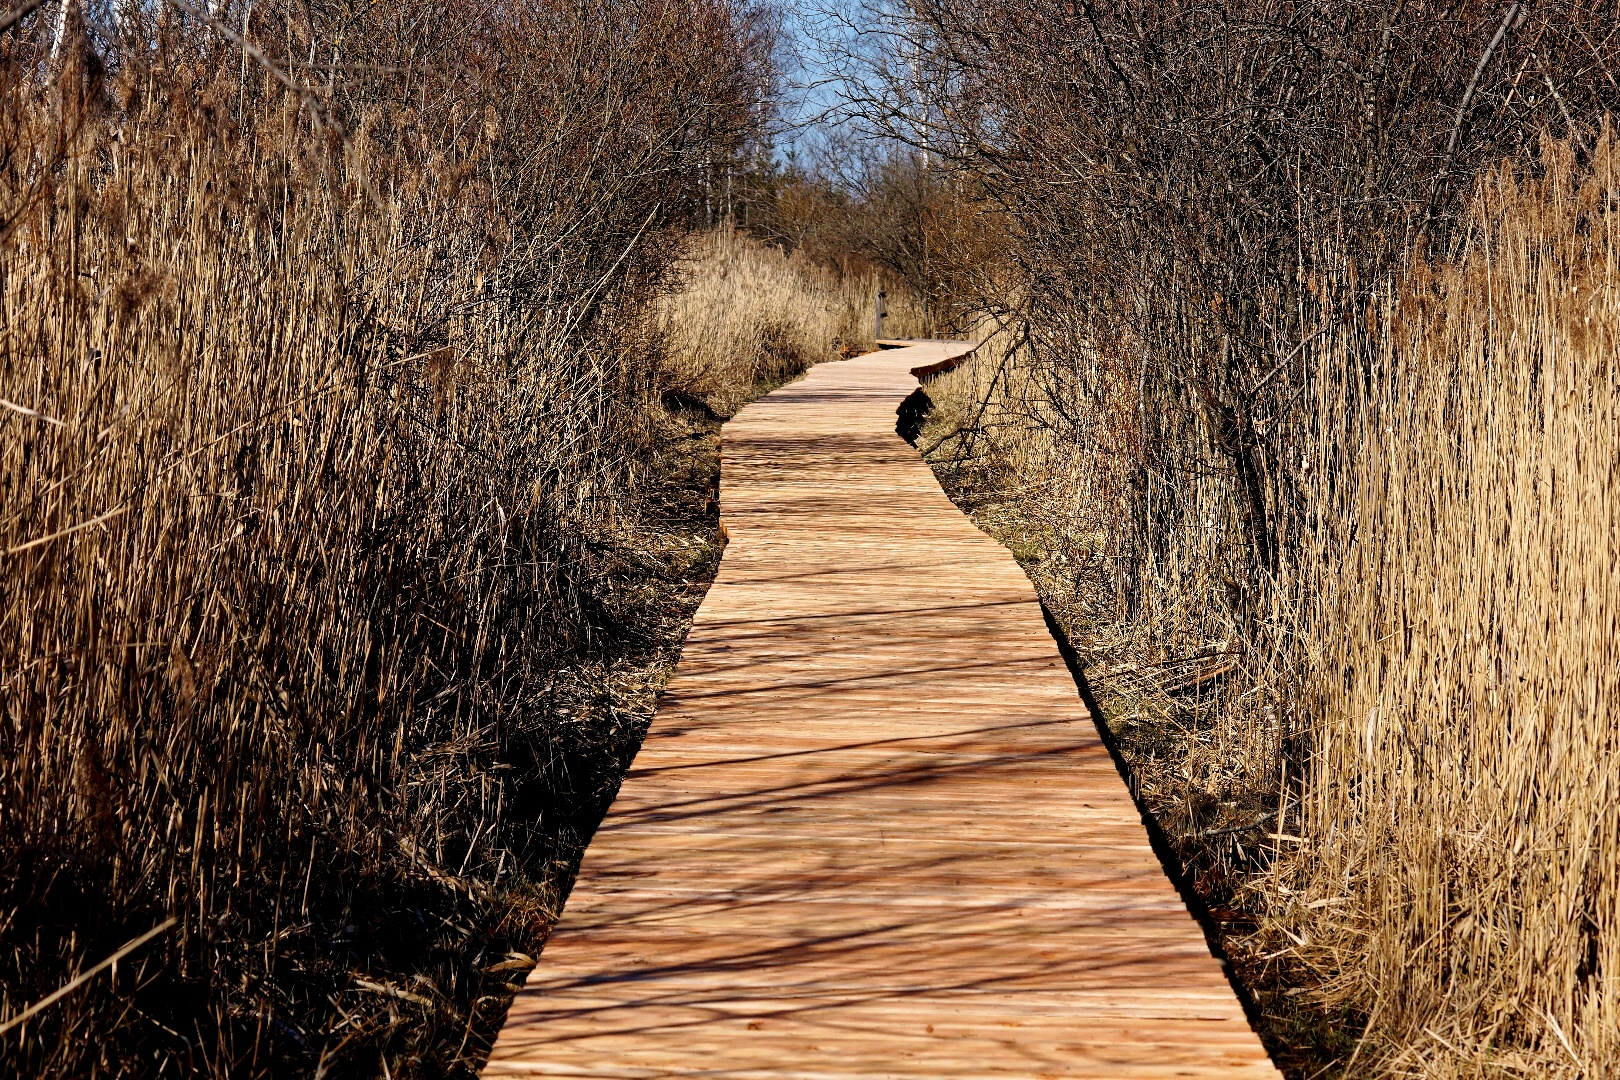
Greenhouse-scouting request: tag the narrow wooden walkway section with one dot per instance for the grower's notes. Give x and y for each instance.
(872, 831)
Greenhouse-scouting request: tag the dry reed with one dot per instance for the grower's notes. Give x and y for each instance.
(750, 314)
(343, 541)
(1461, 880)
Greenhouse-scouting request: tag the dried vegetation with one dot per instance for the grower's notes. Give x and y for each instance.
(1461, 882)
(751, 314)
(1302, 421)
(344, 538)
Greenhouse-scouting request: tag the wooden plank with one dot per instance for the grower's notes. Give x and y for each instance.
(872, 832)
(952, 355)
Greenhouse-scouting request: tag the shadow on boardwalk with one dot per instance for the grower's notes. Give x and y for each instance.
(872, 831)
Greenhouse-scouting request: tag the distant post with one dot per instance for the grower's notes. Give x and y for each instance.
(882, 313)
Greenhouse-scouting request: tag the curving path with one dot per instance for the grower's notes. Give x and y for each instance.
(872, 831)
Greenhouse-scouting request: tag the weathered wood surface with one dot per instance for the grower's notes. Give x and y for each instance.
(872, 831)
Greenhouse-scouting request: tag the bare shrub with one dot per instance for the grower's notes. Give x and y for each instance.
(868, 207)
(930, 230)
(1179, 174)
(1442, 874)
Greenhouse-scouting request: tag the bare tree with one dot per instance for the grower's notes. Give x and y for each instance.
(1197, 190)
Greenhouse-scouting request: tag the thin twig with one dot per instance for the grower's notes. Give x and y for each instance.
(75, 983)
(1473, 84)
(26, 411)
(1574, 132)
(12, 18)
(1255, 824)
(248, 47)
(1462, 115)
(70, 530)
(1268, 376)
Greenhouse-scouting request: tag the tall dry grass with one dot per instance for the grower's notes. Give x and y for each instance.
(751, 313)
(1463, 812)
(342, 538)
(1394, 775)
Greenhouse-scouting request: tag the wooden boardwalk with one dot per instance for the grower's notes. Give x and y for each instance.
(872, 831)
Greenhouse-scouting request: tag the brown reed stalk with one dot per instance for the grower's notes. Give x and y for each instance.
(1465, 837)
